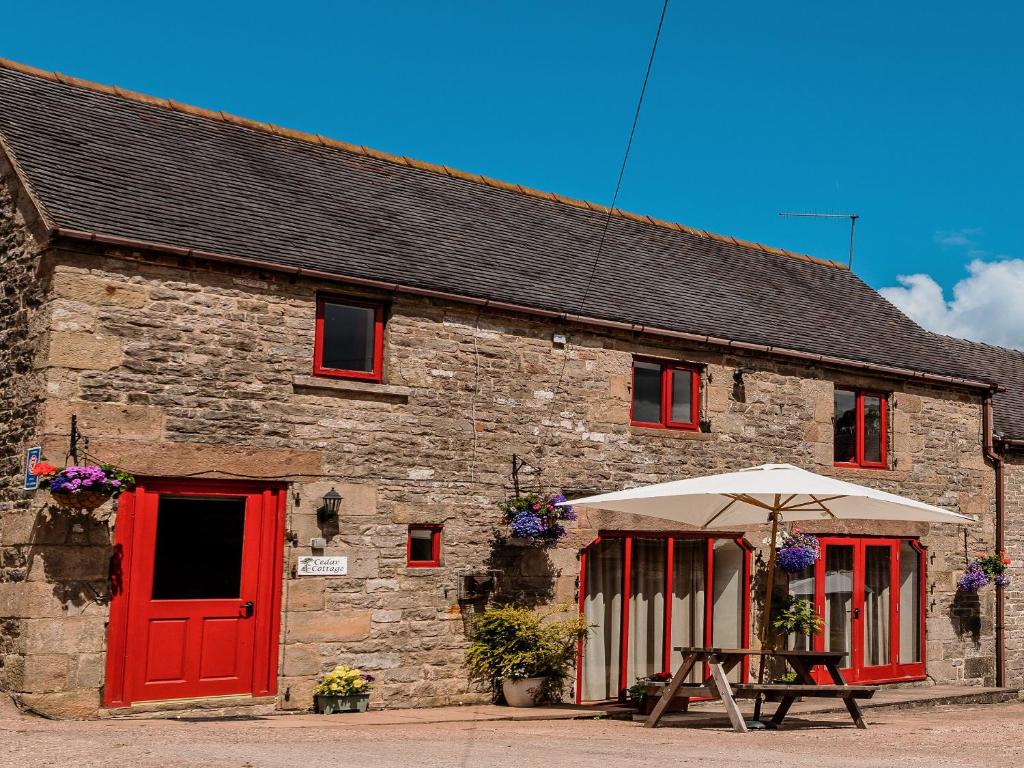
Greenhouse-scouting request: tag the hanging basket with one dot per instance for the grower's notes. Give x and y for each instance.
(81, 501)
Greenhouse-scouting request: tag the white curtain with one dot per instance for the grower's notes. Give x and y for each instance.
(876, 605)
(646, 648)
(602, 607)
(838, 599)
(910, 603)
(688, 571)
(727, 611)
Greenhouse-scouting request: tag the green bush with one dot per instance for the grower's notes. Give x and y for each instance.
(797, 614)
(515, 643)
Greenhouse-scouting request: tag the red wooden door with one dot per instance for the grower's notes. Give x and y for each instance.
(198, 608)
(870, 593)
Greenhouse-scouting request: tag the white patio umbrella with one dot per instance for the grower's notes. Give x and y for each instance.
(770, 493)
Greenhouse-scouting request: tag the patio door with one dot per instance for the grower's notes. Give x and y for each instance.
(644, 595)
(869, 591)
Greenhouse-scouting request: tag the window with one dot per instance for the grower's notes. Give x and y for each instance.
(424, 546)
(665, 395)
(860, 429)
(349, 339)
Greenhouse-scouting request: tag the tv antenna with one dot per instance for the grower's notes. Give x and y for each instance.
(851, 216)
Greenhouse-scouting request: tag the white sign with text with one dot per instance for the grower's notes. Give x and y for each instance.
(311, 565)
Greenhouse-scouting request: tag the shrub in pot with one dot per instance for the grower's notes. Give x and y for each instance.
(343, 689)
(530, 653)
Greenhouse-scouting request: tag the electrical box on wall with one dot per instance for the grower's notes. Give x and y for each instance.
(475, 586)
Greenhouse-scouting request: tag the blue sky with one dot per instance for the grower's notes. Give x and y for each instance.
(910, 114)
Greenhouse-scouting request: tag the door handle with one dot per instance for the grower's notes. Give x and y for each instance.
(855, 612)
(247, 609)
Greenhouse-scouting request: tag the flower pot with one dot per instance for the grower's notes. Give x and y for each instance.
(330, 705)
(81, 501)
(522, 693)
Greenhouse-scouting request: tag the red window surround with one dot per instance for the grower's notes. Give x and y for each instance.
(669, 374)
(376, 370)
(434, 560)
(866, 452)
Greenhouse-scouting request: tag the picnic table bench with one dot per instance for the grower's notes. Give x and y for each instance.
(721, 661)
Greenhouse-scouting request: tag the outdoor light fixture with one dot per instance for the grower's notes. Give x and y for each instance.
(329, 508)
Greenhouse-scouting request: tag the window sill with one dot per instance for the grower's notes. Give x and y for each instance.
(344, 387)
(844, 472)
(677, 434)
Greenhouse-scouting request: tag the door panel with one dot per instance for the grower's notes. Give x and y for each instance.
(194, 615)
(869, 593)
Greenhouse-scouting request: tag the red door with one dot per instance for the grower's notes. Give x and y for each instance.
(870, 593)
(196, 611)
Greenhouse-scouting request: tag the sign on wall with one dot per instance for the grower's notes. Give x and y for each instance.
(32, 456)
(312, 565)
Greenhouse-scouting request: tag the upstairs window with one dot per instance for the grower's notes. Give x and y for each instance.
(424, 546)
(860, 429)
(665, 395)
(349, 339)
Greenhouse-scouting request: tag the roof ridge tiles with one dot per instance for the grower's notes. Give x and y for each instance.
(319, 139)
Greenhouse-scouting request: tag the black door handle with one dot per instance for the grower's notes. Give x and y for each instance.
(856, 612)
(247, 609)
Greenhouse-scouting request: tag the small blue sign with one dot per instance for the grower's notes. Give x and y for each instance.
(32, 456)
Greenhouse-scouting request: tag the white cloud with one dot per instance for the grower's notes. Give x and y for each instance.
(987, 305)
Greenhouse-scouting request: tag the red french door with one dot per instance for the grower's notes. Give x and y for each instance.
(197, 595)
(870, 594)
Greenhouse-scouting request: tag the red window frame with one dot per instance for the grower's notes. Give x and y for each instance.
(670, 537)
(859, 461)
(435, 547)
(668, 370)
(378, 340)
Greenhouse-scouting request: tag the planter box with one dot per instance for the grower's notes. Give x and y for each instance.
(522, 693)
(330, 705)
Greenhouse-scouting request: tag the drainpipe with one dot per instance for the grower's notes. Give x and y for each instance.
(997, 463)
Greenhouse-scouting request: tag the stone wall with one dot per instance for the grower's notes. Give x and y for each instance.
(1013, 513)
(175, 368)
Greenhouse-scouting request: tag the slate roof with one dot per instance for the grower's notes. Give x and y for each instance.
(120, 164)
(1005, 366)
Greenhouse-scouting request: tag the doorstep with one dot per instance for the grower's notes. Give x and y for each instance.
(241, 705)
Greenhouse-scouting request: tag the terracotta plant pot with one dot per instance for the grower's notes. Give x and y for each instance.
(330, 705)
(522, 693)
(82, 501)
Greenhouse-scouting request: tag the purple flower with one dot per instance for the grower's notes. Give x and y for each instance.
(973, 579)
(795, 559)
(527, 525)
(1002, 581)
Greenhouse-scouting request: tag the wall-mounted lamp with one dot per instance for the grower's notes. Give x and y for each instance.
(329, 508)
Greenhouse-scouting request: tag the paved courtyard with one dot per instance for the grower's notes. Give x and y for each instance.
(983, 735)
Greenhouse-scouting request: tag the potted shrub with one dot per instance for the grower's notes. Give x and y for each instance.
(529, 653)
(343, 689)
(83, 488)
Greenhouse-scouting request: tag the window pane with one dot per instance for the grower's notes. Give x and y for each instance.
(873, 428)
(602, 608)
(348, 337)
(646, 609)
(421, 544)
(839, 599)
(727, 611)
(647, 392)
(198, 552)
(688, 569)
(845, 426)
(910, 603)
(801, 585)
(877, 581)
(682, 396)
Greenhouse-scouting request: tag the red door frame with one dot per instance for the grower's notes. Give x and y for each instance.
(269, 578)
(895, 670)
(626, 537)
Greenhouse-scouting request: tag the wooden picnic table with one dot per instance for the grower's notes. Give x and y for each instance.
(716, 685)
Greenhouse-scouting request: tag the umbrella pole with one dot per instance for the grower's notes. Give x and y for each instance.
(766, 616)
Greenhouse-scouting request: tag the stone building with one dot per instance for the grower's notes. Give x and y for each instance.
(246, 317)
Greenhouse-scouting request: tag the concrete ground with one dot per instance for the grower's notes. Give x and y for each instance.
(980, 735)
